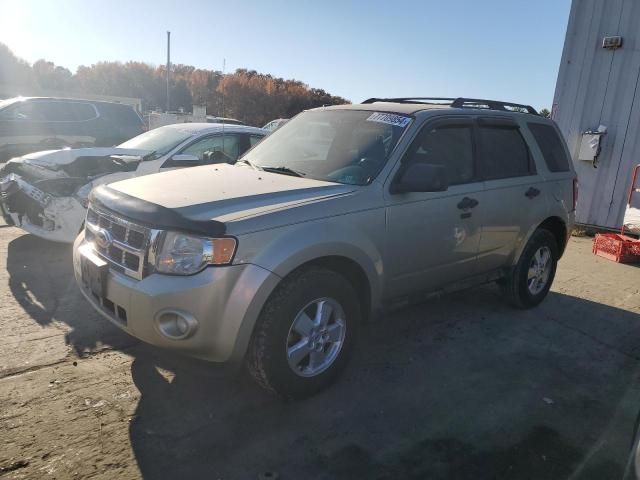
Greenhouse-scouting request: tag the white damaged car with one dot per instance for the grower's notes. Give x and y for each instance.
(45, 193)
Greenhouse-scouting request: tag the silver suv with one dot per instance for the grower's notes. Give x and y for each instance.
(278, 260)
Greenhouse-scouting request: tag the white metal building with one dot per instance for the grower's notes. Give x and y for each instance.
(597, 104)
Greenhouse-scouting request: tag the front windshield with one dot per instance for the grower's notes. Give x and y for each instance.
(159, 140)
(344, 146)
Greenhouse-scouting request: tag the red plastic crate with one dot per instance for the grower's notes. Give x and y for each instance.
(617, 247)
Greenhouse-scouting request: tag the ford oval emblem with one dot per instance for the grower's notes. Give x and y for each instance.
(103, 238)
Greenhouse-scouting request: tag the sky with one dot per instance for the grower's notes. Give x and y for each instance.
(500, 49)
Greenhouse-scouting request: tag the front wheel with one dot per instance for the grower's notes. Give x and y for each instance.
(305, 333)
(531, 279)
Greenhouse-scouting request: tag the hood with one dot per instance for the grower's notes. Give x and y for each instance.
(59, 158)
(227, 193)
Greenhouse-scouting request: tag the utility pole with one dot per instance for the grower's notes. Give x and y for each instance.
(168, 65)
(224, 64)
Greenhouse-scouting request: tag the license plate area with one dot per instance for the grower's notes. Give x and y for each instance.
(94, 272)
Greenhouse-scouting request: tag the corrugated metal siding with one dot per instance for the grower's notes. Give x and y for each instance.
(597, 86)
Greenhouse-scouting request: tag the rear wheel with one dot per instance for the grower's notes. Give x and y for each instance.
(305, 333)
(531, 279)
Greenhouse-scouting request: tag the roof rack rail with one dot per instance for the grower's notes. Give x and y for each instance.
(460, 102)
(427, 100)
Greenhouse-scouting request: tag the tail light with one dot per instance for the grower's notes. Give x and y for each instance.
(575, 192)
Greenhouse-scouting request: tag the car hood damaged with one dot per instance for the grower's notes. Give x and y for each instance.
(80, 162)
(46, 192)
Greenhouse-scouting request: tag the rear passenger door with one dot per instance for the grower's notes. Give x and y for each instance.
(515, 195)
(432, 237)
(71, 122)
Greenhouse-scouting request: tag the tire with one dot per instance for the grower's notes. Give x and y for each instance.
(271, 360)
(520, 290)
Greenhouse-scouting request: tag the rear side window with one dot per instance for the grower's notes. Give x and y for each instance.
(504, 153)
(120, 114)
(83, 111)
(22, 111)
(551, 147)
(450, 146)
(65, 111)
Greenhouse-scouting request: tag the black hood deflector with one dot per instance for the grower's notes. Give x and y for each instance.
(152, 215)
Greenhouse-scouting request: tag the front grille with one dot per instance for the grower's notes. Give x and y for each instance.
(126, 251)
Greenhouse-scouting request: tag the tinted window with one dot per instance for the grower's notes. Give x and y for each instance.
(551, 146)
(50, 111)
(83, 111)
(504, 153)
(65, 111)
(23, 111)
(449, 146)
(55, 111)
(120, 114)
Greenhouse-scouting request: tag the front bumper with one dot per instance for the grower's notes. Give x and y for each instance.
(59, 219)
(225, 301)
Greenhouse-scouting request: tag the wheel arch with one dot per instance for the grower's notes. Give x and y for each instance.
(352, 271)
(559, 230)
(554, 224)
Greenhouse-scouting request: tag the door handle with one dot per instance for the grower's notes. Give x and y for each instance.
(466, 203)
(532, 192)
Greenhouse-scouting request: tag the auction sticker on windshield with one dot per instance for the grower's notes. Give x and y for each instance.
(389, 118)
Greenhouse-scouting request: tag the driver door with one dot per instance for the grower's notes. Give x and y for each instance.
(433, 237)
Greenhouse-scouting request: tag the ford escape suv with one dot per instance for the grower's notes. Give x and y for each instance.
(279, 259)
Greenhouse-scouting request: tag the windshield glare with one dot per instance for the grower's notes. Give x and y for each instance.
(159, 140)
(344, 146)
(9, 101)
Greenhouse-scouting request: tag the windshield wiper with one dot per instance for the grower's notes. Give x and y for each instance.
(284, 171)
(250, 163)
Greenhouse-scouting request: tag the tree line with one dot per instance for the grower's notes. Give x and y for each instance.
(250, 96)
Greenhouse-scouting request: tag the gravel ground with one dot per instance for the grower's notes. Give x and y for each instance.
(461, 387)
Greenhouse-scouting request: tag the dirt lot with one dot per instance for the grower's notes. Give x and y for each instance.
(462, 387)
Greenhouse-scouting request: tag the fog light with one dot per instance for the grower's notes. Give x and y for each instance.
(175, 324)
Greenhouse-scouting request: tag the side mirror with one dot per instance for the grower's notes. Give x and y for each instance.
(420, 177)
(183, 157)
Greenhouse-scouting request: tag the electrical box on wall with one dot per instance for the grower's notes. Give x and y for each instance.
(590, 144)
(612, 43)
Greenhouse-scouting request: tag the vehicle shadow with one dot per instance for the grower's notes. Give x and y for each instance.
(463, 387)
(460, 387)
(41, 281)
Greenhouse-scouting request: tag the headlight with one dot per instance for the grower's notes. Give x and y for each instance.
(182, 254)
